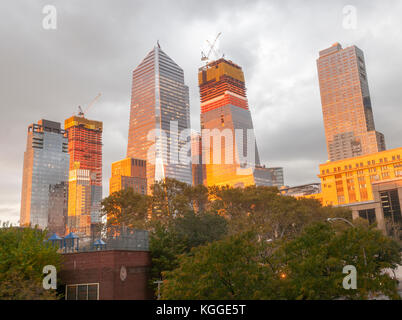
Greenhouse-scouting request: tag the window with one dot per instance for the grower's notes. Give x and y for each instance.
(392, 209)
(88, 291)
(368, 214)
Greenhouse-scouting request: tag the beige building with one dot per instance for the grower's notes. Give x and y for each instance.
(346, 104)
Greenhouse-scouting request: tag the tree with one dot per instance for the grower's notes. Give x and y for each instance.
(309, 266)
(23, 254)
(315, 260)
(232, 268)
(179, 236)
(198, 229)
(265, 211)
(169, 198)
(126, 208)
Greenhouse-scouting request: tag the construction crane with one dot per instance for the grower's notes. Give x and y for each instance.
(211, 48)
(81, 113)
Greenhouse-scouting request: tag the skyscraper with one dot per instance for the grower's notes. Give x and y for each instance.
(230, 153)
(45, 168)
(79, 219)
(346, 104)
(85, 149)
(159, 113)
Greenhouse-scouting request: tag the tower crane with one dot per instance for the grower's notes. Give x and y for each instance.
(211, 48)
(81, 113)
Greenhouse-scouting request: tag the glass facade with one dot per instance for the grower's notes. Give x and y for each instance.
(46, 161)
(346, 104)
(160, 103)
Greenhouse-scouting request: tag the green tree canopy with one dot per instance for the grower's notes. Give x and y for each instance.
(23, 254)
(309, 266)
(232, 268)
(126, 208)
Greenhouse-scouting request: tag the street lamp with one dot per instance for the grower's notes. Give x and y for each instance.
(353, 226)
(341, 219)
(159, 282)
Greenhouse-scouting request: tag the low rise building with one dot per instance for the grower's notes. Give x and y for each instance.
(128, 173)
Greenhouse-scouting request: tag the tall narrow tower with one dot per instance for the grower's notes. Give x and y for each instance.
(45, 170)
(159, 113)
(229, 148)
(85, 176)
(346, 104)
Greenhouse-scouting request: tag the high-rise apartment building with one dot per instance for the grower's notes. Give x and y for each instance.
(229, 149)
(128, 173)
(85, 149)
(45, 171)
(159, 113)
(346, 104)
(80, 183)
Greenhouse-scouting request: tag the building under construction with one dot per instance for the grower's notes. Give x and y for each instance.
(85, 177)
(225, 114)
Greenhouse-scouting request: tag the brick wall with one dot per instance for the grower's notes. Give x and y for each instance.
(104, 267)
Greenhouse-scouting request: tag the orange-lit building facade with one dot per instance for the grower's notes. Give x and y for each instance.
(228, 158)
(128, 173)
(351, 180)
(346, 104)
(79, 201)
(85, 178)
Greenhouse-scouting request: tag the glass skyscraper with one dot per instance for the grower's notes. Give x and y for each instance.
(159, 113)
(46, 161)
(346, 104)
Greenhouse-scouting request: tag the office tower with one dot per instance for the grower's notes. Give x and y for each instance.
(85, 149)
(128, 173)
(45, 166)
(196, 158)
(225, 114)
(159, 112)
(346, 104)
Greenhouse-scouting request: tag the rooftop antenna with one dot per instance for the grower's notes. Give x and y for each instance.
(205, 57)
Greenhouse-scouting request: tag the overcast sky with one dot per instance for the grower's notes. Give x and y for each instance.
(97, 44)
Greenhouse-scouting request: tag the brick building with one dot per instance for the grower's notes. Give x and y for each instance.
(106, 275)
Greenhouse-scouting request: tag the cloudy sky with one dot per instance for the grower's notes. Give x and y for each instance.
(97, 44)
